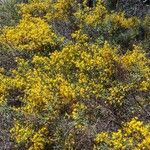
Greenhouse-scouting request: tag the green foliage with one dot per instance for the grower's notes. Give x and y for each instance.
(9, 12)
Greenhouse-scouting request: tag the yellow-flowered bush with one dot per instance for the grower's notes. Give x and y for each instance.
(35, 9)
(134, 135)
(120, 20)
(92, 16)
(38, 138)
(33, 31)
(30, 34)
(71, 79)
(48, 10)
(99, 15)
(102, 24)
(77, 96)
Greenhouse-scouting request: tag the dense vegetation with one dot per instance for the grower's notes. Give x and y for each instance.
(79, 77)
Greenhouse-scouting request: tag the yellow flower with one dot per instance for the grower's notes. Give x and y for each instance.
(134, 135)
(30, 34)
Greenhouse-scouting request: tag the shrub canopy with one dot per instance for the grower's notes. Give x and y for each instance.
(86, 82)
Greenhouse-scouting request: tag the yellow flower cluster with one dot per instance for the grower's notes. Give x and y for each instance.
(67, 88)
(34, 9)
(93, 16)
(34, 33)
(80, 72)
(62, 9)
(99, 15)
(30, 34)
(39, 139)
(48, 10)
(21, 133)
(34, 140)
(136, 59)
(118, 92)
(79, 36)
(134, 135)
(120, 20)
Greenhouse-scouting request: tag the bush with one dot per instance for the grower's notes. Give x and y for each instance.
(88, 90)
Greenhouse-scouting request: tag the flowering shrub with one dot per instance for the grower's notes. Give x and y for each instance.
(89, 92)
(35, 9)
(30, 34)
(134, 135)
(71, 79)
(37, 14)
